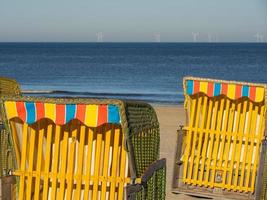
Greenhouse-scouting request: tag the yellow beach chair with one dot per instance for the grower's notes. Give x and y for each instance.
(221, 151)
(70, 148)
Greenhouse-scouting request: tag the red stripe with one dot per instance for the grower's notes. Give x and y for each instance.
(252, 93)
(21, 110)
(60, 114)
(80, 112)
(238, 91)
(102, 115)
(224, 88)
(39, 110)
(210, 89)
(196, 87)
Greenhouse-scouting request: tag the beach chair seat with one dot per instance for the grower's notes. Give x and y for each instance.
(83, 148)
(222, 148)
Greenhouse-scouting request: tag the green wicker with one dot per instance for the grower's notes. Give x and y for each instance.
(141, 128)
(7, 87)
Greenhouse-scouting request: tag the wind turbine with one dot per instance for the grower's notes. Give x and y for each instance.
(157, 37)
(99, 36)
(210, 37)
(195, 36)
(259, 37)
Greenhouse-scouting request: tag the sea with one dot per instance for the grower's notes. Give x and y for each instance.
(151, 72)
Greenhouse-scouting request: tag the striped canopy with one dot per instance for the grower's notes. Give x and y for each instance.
(90, 115)
(231, 90)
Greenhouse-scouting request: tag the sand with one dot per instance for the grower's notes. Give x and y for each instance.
(170, 117)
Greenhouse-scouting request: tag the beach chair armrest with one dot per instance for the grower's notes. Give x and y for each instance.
(152, 184)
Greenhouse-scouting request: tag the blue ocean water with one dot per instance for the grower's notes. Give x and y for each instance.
(145, 71)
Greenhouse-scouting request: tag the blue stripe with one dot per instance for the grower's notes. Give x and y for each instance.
(217, 89)
(113, 114)
(245, 91)
(70, 112)
(189, 87)
(30, 108)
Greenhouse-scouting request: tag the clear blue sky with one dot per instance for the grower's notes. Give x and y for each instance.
(134, 21)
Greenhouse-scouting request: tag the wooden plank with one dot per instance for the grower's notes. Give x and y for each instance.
(210, 144)
(114, 163)
(23, 160)
(80, 163)
(55, 160)
(39, 161)
(97, 163)
(106, 162)
(195, 133)
(63, 165)
(30, 166)
(238, 128)
(205, 145)
(188, 139)
(49, 131)
(216, 145)
(88, 162)
(71, 161)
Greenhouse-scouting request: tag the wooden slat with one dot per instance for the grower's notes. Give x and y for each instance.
(39, 162)
(216, 145)
(106, 163)
(88, 162)
(55, 161)
(192, 156)
(23, 160)
(49, 131)
(200, 141)
(97, 164)
(205, 145)
(63, 164)
(71, 161)
(238, 127)
(114, 162)
(122, 170)
(30, 166)
(80, 163)
(244, 136)
(16, 142)
(250, 149)
(229, 136)
(210, 144)
(188, 139)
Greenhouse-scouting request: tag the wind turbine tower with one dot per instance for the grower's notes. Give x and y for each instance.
(99, 36)
(157, 37)
(259, 37)
(209, 37)
(195, 36)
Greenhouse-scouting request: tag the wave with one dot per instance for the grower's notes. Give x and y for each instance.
(161, 98)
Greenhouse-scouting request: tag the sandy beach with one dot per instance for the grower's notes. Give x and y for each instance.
(170, 117)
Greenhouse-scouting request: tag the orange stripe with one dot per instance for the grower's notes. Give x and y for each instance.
(224, 88)
(21, 110)
(196, 86)
(60, 114)
(252, 93)
(238, 91)
(80, 113)
(210, 89)
(102, 115)
(39, 110)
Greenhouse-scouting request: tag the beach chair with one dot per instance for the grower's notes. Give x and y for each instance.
(221, 151)
(83, 149)
(7, 87)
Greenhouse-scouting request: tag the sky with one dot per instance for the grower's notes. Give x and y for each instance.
(132, 21)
